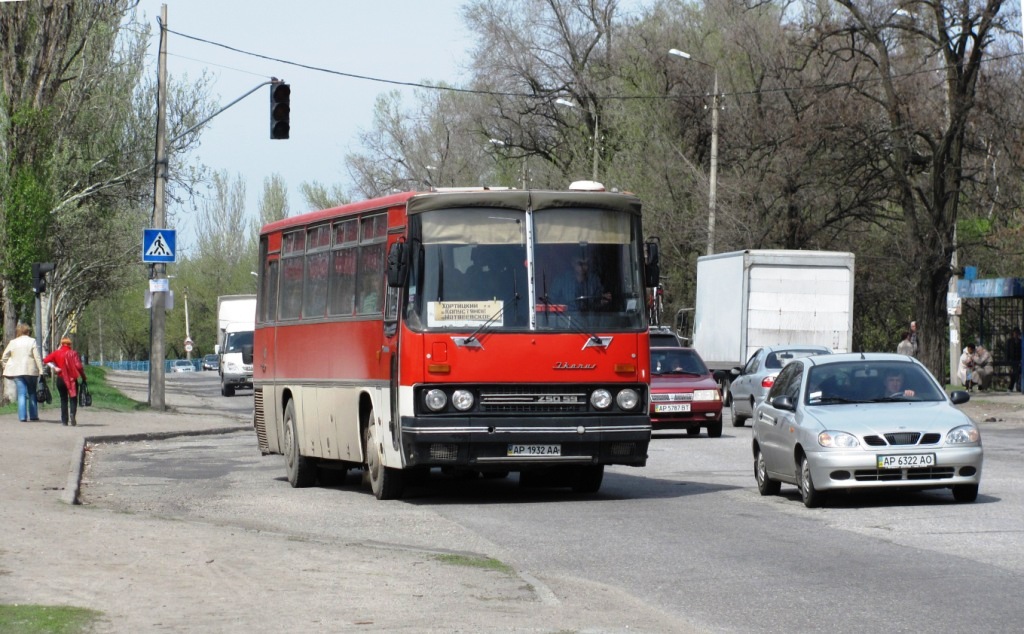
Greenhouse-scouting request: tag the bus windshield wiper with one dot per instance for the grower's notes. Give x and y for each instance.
(440, 280)
(484, 326)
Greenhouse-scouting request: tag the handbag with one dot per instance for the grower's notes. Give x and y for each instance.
(43, 394)
(84, 395)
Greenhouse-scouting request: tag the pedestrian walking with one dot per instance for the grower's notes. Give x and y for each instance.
(68, 366)
(22, 364)
(913, 338)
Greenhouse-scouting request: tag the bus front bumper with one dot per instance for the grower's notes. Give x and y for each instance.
(520, 442)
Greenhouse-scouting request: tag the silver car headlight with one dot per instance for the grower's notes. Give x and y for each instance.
(627, 399)
(838, 440)
(462, 400)
(706, 395)
(435, 399)
(601, 399)
(963, 435)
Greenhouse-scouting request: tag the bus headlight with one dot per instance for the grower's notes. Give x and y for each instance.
(601, 399)
(435, 400)
(627, 399)
(462, 400)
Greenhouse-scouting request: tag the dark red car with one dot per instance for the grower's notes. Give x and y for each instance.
(684, 395)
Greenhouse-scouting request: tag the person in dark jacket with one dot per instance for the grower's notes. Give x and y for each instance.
(1013, 350)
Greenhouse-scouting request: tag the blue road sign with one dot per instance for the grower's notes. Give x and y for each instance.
(158, 245)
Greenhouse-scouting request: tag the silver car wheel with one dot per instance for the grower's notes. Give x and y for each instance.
(738, 419)
(765, 485)
(812, 497)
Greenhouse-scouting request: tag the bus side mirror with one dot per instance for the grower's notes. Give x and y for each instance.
(398, 265)
(652, 265)
(247, 354)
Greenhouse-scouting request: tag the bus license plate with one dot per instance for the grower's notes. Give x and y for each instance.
(907, 461)
(667, 408)
(535, 450)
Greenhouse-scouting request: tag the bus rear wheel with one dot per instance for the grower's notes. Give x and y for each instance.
(385, 482)
(301, 470)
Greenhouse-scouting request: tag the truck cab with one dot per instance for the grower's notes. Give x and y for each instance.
(235, 373)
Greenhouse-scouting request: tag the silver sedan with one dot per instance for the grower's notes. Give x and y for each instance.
(871, 420)
(751, 383)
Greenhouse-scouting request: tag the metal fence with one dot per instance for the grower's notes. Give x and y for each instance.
(142, 366)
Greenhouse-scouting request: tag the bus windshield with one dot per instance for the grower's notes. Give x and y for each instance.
(478, 267)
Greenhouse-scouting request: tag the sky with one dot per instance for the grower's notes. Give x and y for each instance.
(400, 40)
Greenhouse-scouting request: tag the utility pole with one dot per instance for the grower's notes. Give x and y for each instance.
(158, 315)
(713, 178)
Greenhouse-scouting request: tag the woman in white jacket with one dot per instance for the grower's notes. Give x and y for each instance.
(965, 371)
(22, 364)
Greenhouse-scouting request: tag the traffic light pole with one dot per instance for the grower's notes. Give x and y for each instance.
(158, 314)
(271, 82)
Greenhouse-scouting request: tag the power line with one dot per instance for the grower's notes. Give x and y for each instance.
(472, 91)
(331, 71)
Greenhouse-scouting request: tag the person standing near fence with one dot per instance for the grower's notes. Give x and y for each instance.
(22, 365)
(68, 366)
(1013, 356)
(983, 368)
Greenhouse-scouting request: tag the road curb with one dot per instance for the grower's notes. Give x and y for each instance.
(74, 484)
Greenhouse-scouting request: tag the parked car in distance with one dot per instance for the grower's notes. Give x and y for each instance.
(749, 384)
(182, 365)
(684, 395)
(661, 336)
(841, 422)
(211, 362)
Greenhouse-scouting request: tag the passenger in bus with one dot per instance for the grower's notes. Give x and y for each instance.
(579, 288)
(498, 275)
(370, 297)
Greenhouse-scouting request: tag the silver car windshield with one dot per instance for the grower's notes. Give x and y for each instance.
(870, 382)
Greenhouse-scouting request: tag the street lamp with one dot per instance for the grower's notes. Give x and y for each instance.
(713, 177)
(597, 129)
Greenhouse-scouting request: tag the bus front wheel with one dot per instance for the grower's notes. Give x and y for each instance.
(301, 470)
(385, 482)
(587, 479)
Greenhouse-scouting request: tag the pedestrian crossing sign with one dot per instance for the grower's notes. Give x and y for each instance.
(158, 245)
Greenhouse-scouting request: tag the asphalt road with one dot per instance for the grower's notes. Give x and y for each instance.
(688, 534)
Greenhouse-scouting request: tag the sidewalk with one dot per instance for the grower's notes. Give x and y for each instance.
(50, 455)
(147, 573)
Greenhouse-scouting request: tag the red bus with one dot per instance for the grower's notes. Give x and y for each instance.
(477, 330)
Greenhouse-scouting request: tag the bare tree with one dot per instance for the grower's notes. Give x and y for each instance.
(320, 196)
(890, 54)
(274, 202)
(75, 141)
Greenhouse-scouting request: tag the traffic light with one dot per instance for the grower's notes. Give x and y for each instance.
(39, 271)
(280, 108)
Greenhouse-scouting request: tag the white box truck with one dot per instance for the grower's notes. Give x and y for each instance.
(750, 299)
(236, 321)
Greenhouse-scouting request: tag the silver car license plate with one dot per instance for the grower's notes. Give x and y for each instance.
(906, 461)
